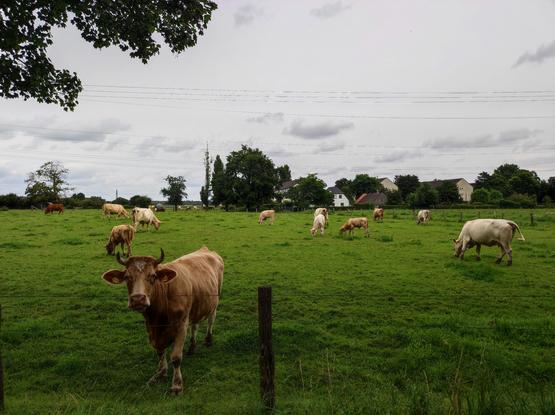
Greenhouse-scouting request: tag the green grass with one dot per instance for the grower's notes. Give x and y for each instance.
(392, 323)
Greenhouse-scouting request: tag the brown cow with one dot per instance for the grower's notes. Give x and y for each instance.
(109, 208)
(121, 234)
(54, 207)
(265, 214)
(378, 214)
(171, 297)
(355, 223)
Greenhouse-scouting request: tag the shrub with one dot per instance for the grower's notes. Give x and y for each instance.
(480, 196)
(525, 201)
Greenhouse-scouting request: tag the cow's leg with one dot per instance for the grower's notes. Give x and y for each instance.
(193, 343)
(464, 248)
(500, 257)
(128, 249)
(177, 357)
(478, 252)
(162, 372)
(509, 252)
(211, 319)
(366, 232)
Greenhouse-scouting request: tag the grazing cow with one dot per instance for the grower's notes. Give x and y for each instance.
(487, 232)
(423, 216)
(265, 214)
(121, 234)
(144, 216)
(354, 223)
(54, 207)
(171, 297)
(109, 208)
(322, 211)
(378, 213)
(319, 224)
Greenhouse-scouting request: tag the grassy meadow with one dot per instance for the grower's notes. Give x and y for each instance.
(392, 323)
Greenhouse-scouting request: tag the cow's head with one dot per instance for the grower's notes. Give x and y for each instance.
(344, 228)
(457, 244)
(110, 247)
(156, 223)
(141, 274)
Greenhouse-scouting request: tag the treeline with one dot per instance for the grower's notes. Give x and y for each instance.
(76, 200)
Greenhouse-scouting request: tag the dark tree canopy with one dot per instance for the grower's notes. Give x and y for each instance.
(362, 183)
(344, 185)
(219, 185)
(26, 70)
(48, 183)
(407, 184)
(175, 192)
(250, 177)
(140, 201)
(448, 192)
(425, 196)
(309, 191)
(283, 173)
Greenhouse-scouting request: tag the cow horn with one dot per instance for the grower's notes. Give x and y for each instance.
(159, 260)
(121, 261)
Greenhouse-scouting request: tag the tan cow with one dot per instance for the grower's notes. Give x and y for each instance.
(265, 214)
(318, 225)
(121, 234)
(144, 216)
(423, 216)
(171, 297)
(487, 232)
(109, 208)
(322, 211)
(378, 213)
(355, 223)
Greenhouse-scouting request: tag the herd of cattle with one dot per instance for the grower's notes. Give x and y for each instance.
(169, 309)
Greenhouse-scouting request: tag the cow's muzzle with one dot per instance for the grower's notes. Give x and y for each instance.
(138, 302)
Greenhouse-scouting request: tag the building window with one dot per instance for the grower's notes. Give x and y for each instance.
(341, 203)
(340, 196)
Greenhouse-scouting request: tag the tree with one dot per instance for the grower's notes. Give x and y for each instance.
(309, 191)
(121, 201)
(393, 197)
(48, 183)
(140, 201)
(480, 195)
(425, 196)
(27, 71)
(344, 185)
(483, 180)
(448, 192)
(283, 174)
(220, 193)
(407, 184)
(175, 192)
(362, 183)
(495, 196)
(205, 190)
(525, 182)
(250, 177)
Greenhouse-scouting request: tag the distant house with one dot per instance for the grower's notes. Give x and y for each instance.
(376, 199)
(388, 184)
(288, 185)
(465, 188)
(339, 198)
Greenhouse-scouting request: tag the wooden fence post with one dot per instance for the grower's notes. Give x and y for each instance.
(1, 370)
(267, 363)
(461, 217)
(532, 218)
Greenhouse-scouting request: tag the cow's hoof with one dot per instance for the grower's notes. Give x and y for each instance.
(191, 350)
(509, 263)
(478, 258)
(498, 261)
(208, 341)
(157, 378)
(176, 390)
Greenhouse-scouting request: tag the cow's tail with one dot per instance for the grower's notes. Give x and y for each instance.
(516, 228)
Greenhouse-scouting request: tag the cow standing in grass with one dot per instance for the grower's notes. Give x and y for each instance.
(353, 223)
(113, 208)
(489, 232)
(267, 214)
(318, 225)
(54, 207)
(122, 235)
(171, 297)
(378, 214)
(423, 216)
(323, 211)
(144, 217)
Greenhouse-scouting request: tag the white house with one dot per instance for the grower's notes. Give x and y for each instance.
(465, 188)
(388, 184)
(339, 198)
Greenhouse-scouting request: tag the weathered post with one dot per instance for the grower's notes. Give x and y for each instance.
(532, 218)
(1, 370)
(267, 363)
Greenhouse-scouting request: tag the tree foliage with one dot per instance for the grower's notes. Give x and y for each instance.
(448, 192)
(140, 201)
(363, 183)
(48, 183)
(283, 174)
(220, 191)
(345, 186)
(175, 192)
(425, 196)
(250, 177)
(480, 195)
(27, 71)
(310, 190)
(407, 184)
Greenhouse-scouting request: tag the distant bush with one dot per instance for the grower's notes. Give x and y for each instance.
(140, 201)
(93, 202)
(480, 196)
(508, 204)
(525, 201)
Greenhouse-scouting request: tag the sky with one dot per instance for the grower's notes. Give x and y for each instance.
(440, 89)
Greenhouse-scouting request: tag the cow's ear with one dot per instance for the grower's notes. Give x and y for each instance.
(114, 276)
(165, 274)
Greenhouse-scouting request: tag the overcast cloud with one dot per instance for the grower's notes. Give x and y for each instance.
(246, 14)
(330, 10)
(316, 130)
(541, 54)
(271, 117)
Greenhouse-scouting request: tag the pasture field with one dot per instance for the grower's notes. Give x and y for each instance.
(392, 323)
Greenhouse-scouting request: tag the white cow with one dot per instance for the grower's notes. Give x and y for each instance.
(423, 216)
(322, 211)
(319, 224)
(487, 232)
(144, 216)
(265, 214)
